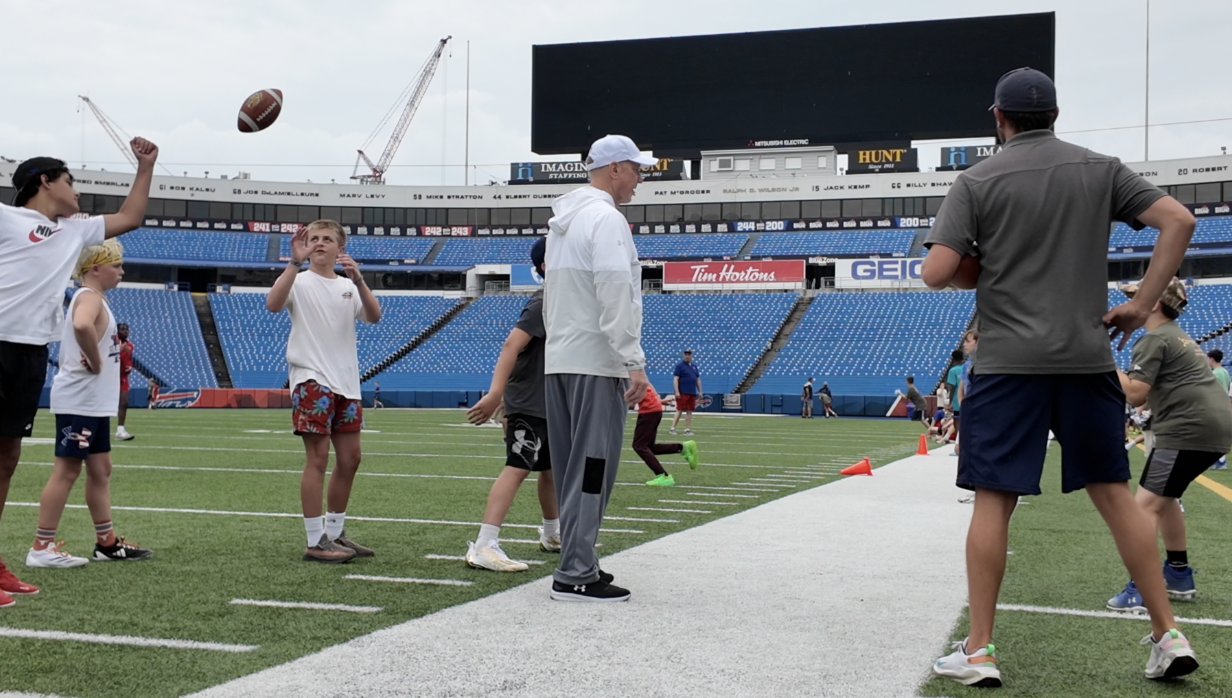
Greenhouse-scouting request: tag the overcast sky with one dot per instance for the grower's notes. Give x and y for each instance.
(176, 72)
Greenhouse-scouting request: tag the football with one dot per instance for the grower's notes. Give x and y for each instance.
(968, 272)
(260, 110)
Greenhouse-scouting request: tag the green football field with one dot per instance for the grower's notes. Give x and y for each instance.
(215, 494)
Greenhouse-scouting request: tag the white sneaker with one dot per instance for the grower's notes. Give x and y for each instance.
(549, 544)
(1171, 657)
(979, 669)
(688, 432)
(492, 558)
(672, 431)
(51, 557)
(123, 435)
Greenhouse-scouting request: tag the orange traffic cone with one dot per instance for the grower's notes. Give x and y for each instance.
(922, 450)
(861, 468)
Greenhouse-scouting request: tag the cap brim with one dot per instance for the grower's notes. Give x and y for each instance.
(645, 160)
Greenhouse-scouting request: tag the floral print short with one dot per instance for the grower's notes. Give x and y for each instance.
(315, 409)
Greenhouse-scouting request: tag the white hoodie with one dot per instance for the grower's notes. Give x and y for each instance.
(592, 289)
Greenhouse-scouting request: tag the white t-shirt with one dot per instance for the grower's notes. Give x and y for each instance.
(75, 390)
(322, 345)
(36, 260)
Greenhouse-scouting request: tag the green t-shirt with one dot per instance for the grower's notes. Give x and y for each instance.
(1221, 375)
(1189, 409)
(952, 378)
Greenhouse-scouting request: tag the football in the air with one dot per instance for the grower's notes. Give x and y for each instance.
(968, 272)
(260, 110)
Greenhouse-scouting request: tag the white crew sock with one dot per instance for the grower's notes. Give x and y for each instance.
(488, 534)
(551, 527)
(334, 523)
(315, 527)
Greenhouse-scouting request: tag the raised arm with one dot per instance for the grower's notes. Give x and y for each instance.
(276, 300)
(132, 212)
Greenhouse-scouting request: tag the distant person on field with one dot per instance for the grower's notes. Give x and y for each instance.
(1038, 216)
(687, 381)
(1192, 429)
(971, 339)
(917, 408)
(592, 311)
(39, 245)
(649, 415)
(376, 395)
(518, 383)
(827, 400)
(85, 394)
(324, 378)
(806, 400)
(126, 368)
(1215, 358)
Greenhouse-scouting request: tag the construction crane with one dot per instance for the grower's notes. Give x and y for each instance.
(416, 91)
(111, 127)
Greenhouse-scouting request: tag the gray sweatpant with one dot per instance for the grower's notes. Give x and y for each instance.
(586, 428)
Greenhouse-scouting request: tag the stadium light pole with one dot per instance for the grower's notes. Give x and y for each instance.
(1146, 122)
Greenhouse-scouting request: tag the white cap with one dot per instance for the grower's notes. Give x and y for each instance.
(609, 149)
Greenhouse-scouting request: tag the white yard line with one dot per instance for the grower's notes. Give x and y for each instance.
(682, 511)
(704, 494)
(129, 640)
(1052, 610)
(693, 501)
(410, 580)
(462, 558)
(634, 518)
(307, 605)
(281, 515)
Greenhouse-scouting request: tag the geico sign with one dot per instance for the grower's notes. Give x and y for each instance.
(886, 269)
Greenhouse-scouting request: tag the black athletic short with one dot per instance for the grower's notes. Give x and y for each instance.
(1169, 472)
(23, 370)
(526, 443)
(80, 437)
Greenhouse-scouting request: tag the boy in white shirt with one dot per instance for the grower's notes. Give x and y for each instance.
(324, 366)
(85, 395)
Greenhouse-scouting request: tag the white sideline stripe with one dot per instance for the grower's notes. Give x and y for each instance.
(703, 494)
(281, 515)
(123, 640)
(634, 518)
(410, 580)
(790, 477)
(1107, 614)
(737, 489)
(691, 501)
(433, 556)
(682, 511)
(765, 484)
(307, 605)
(527, 541)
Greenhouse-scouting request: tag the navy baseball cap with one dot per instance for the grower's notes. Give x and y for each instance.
(538, 251)
(1025, 90)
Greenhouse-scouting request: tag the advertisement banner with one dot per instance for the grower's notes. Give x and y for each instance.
(880, 160)
(878, 273)
(523, 277)
(963, 156)
(575, 172)
(770, 275)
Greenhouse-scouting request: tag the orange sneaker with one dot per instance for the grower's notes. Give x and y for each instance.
(10, 584)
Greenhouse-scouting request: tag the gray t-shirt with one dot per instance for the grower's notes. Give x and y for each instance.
(1038, 215)
(1189, 410)
(913, 394)
(524, 392)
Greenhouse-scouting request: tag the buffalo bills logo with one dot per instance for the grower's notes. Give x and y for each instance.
(703, 402)
(177, 398)
(42, 232)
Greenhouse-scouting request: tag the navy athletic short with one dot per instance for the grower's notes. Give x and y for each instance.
(1005, 424)
(79, 437)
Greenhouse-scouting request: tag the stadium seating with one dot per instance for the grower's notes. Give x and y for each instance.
(727, 334)
(837, 243)
(1209, 308)
(1209, 231)
(376, 249)
(462, 252)
(166, 335)
(195, 245)
(254, 340)
(689, 246)
(868, 343)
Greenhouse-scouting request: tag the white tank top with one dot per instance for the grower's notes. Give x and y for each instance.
(77, 391)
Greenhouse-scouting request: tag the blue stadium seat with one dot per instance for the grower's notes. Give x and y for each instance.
(838, 243)
(195, 245)
(1209, 232)
(460, 252)
(868, 343)
(376, 249)
(689, 246)
(1209, 308)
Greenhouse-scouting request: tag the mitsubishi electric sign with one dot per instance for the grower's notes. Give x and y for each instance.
(878, 273)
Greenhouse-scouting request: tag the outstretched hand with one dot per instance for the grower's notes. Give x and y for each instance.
(145, 151)
(299, 246)
(349, 267)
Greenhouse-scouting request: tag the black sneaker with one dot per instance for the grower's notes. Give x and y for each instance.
(120, 550)
(606, 578)
(599, 591)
